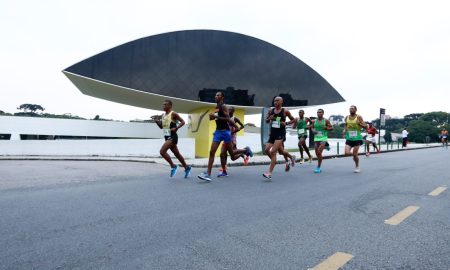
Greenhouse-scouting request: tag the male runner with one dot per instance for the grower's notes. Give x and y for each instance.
(353, 137)
(444, 137)
(301, 125)
(223, 153)
(320, 128)
(168, 123)
(277, 119)
(222, 133)
(370, 139)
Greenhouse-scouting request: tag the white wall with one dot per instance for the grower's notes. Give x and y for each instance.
(17, 125)
(113, 147)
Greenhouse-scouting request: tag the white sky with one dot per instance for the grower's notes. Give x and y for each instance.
(390, 54)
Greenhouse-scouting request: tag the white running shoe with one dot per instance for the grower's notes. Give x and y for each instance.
(357, 170)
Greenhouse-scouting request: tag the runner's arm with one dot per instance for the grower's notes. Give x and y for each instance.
(328, 125)
(238, 122)
(157, 120)
(177, 117)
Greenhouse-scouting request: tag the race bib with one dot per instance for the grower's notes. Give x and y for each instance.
(301, 131)
(319, 133)
(166, 132)
(276, 123)
(352, 134)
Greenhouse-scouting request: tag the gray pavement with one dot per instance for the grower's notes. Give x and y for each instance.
(131, 215)
(203, 162)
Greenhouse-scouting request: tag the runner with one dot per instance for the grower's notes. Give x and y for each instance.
(223, 153)
(320, 128)
(353, 137)
(222, 133)
(277, 119)
(168, 123)
(301, 124)
(370, 139)
(444, 137)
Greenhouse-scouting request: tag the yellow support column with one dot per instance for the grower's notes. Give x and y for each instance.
(202, 129)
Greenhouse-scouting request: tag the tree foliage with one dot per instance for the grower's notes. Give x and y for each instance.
(336, 132)
(438, 119)
(419, 130)
(31, 108)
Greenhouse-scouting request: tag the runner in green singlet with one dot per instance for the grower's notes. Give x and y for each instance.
(320, 128)
(301, 125)
(353, 137)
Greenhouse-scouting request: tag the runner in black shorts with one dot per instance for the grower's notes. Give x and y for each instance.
(168, 123)
(277, 118)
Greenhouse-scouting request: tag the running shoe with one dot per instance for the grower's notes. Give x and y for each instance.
(204, 176)
(310, 160)
(187, 171)
(288, 166)
(173, 171)
(367, 154)
(246, 158)
(267, 175)
(223, 174)
(293, 160)
(302, 161)
(357, 170)
(248, 151)
(317, 170)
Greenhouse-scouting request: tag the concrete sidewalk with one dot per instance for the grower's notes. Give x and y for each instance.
(203, 162)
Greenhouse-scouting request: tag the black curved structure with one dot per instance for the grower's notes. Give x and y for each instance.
(193, 64)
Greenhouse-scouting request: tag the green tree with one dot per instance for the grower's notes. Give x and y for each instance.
(419, 130)
(336, 132)
(438, 119)
(31, 108)
(387, 136)
(413, 116)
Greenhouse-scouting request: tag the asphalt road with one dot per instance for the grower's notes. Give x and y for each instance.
(125, 215)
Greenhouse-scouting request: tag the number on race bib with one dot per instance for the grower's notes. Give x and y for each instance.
(352, 134)
(301, 131)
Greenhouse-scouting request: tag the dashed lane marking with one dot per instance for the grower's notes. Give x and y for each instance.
(334, 262)
(437, 191)
(402, 215)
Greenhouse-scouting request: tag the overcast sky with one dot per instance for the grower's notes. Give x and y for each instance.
(390, 54)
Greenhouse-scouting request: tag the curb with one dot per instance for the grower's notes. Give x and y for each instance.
(254, 163)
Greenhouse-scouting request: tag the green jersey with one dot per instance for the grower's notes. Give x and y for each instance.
(301, 127)
(353, 129)
(322, 133)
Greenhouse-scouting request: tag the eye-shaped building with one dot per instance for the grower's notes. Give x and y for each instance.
(189, 67)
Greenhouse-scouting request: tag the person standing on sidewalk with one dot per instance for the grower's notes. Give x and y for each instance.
(353, 137)
(222, 134)
(404, 137)
(301, 125)
(223, 153)
(168, 123)
(320, 128)
(277, 119)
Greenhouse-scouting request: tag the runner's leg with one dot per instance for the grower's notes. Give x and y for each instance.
(163, 152)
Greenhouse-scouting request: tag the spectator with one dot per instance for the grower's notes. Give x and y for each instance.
(404, 137)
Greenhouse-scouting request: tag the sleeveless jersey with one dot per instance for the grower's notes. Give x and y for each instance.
(322, 134)
(301, 127)
(168, 123)
(221, 124)
(275, 125)
(353, 129)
